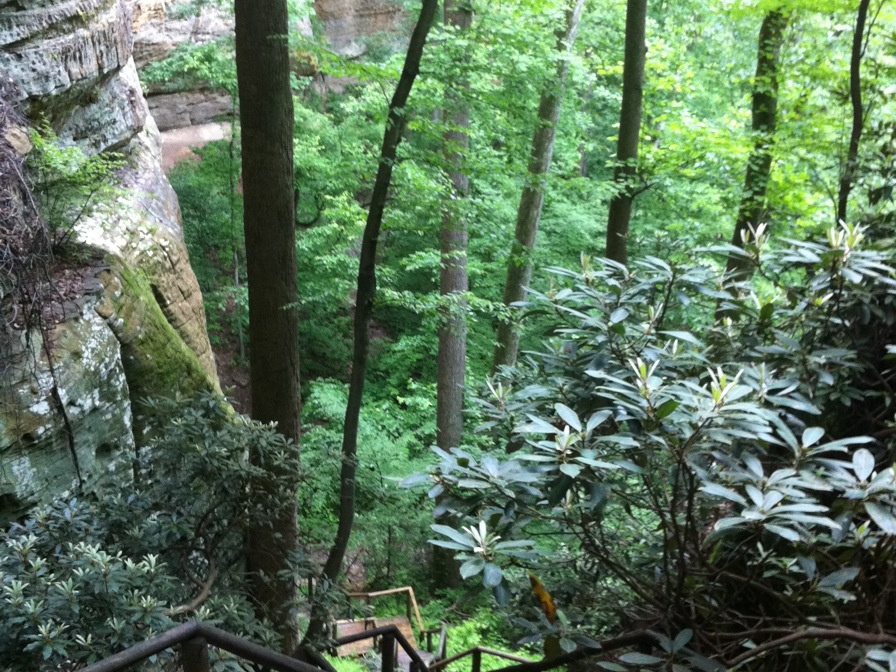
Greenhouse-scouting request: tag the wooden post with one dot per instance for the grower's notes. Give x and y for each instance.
(477, 660)
(194, 655)
(388, 653)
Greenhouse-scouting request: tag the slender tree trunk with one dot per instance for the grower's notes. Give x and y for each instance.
(266, 116)
(453, 286)
(625, 171)
(765, 107)
(858, 114)
(519, 265)
(366, 292)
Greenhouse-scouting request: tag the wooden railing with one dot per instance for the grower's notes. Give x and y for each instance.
(389, 637)
(410, 601)
(194, 638)
(476, 654)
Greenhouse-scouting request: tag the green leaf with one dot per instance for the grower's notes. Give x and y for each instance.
(567, 644)
(501, 594)
(722, 491)
(785, 532)
(705, 664)
(471, 567)
(811, 436)
(448, 544)
(596, 420)
(492, 575)
(454, 535)
(754, 465)
(863, 463)
(635, 658)
(618, 315)
(795, 404)
(568, 416)
(882, 517)
(681, 640)
(571, 470)
(598, 464)
(667, 408)
(838, 578)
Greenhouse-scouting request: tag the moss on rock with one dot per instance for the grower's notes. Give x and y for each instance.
(157, 362)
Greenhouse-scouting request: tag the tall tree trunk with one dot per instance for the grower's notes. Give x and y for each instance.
(765, 108)
(625, 171)
(528, 216)
(266, 119)
(366, 292)
(858, 114)
(453, 273)
(453, 285)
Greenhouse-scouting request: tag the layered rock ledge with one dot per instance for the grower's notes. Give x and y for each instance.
(137, 328)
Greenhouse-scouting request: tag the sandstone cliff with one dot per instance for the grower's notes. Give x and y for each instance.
(131, 322)
(345, 25)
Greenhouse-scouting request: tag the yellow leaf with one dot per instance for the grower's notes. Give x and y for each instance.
(545, 601)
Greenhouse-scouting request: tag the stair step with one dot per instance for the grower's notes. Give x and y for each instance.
(403, 625)
(345, 628)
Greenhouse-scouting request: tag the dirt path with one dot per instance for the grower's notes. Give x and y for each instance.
(178, 143)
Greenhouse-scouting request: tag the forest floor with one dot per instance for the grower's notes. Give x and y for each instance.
(178, 143)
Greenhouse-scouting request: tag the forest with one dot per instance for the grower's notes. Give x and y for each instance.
(579, 317)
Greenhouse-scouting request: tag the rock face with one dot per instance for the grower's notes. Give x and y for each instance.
(157, 32)
(347, 22)
(188, 108)
(136, 326)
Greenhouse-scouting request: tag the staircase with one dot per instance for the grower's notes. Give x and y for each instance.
(393, 637)
(193, 639)
(350, 627)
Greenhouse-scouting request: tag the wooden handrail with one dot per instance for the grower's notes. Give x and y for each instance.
(194, 636)
(386, 630)
(411, 600)
(473, 652)
(442, 646)
(193, 630)
(143, 650)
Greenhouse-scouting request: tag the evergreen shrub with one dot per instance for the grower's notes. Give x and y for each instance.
(704, 462)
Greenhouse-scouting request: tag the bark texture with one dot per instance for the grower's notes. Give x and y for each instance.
(519, 265)
(453, 285)
(858, 114)
(453, 273)
(764, 114)
(625, 171)
(266, 118)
